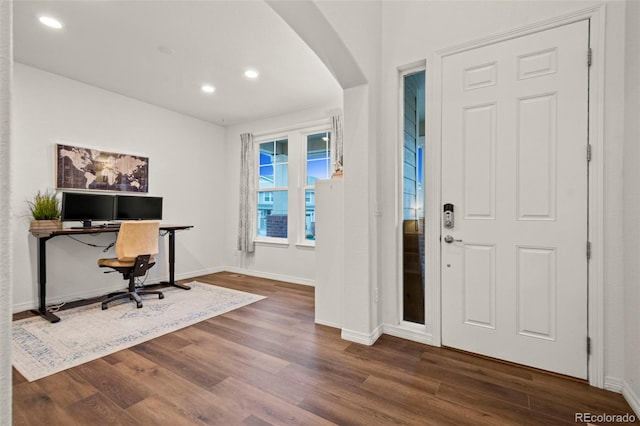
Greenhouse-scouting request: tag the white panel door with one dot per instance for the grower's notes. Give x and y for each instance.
(514, 165)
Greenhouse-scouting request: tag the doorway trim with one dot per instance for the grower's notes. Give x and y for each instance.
(595, 323)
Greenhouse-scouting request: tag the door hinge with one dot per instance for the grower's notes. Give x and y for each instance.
(588, 152)
(588, 345)
(588, 250)
(589, 57)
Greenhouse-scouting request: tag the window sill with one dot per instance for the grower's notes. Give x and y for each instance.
(272, 242)
(310, 245)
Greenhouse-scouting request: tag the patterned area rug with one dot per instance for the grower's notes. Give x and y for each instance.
(87, 333)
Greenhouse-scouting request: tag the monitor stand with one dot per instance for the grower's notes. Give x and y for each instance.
(85, 224)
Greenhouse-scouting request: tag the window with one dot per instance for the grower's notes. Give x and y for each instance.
(273, 197)
(413, 196)
(318, 163)
(286, 208)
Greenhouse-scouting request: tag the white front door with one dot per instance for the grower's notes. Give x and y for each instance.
(514, 167)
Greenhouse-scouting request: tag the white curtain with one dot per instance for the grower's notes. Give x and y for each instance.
(6, 66)
(336, 143)
(246, 223)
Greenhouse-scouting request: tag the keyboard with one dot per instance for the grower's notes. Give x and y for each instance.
(109, 225)
(105, 225)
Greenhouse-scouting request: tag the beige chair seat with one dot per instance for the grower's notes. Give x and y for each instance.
(115, 263)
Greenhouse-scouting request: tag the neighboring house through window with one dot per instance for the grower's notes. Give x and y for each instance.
(287, 208)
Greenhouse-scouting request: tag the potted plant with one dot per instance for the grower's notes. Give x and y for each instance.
(45, 214)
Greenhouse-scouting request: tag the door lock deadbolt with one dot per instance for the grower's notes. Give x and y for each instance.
(447, 219)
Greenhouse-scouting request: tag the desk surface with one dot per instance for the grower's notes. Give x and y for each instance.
(101, 229)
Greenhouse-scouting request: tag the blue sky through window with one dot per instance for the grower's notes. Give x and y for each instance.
(317, 169)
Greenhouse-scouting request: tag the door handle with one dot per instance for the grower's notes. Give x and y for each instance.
(449, 239)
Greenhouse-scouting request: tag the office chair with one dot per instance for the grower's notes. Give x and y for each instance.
(136, 248)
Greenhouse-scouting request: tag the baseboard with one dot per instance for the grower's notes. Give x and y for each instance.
(613, 384)
(362, 338)
(96, 292)
(26, 306)
(270, 276)
(407, 334)
(328, 323)
(631, 397)
(194, 274)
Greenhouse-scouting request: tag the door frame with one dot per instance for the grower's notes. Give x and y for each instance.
(433, 305)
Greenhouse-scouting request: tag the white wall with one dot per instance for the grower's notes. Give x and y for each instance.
(413, 31)
(6, 67)
(290, 262)
(186, 167)
(359, 24)
(631, 388)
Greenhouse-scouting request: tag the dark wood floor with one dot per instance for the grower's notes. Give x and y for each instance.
(268, 363)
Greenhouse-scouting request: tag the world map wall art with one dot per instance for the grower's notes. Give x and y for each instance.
(85, 168)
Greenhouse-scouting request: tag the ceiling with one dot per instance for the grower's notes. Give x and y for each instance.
(162, 52)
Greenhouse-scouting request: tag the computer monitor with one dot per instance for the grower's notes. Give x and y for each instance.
(138, 208)
(83, 207)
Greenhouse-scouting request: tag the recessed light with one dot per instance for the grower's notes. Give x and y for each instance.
(207, 88)
(252, 74)
(50, 22)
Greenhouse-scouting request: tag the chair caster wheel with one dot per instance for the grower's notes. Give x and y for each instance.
(161, 296)
(139, 305)
(104, 307)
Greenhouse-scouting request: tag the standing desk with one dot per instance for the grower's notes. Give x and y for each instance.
(42, 260)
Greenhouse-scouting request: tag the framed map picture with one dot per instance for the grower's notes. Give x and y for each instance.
(85, 168)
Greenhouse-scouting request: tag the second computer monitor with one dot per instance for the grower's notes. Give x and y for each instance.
(138, 208)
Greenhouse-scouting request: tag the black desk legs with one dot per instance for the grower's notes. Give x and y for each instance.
(42, 282)
(172, 262)
(42, 263)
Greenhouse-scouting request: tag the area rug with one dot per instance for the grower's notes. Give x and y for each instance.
(87, 333)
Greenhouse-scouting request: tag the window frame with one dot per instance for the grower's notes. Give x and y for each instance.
(302, 236)
(258, 141)
(400, 212)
